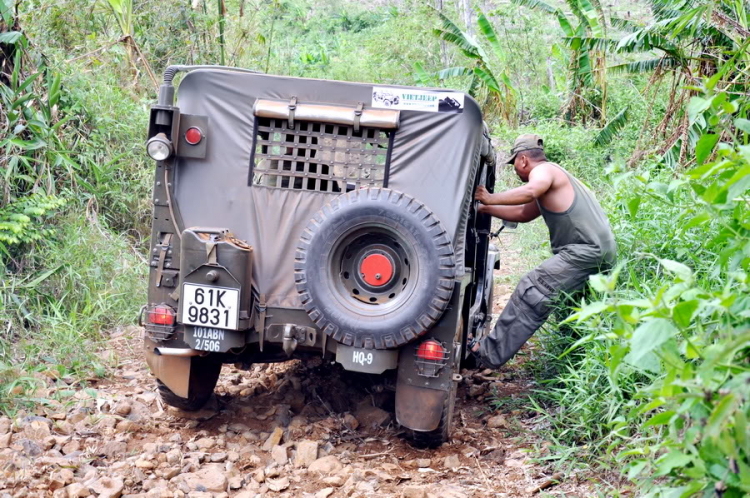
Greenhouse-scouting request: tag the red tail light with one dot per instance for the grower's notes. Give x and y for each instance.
(193, 135)
(161, 315)
(431, 350)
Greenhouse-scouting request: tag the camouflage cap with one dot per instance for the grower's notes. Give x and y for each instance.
(528, 141)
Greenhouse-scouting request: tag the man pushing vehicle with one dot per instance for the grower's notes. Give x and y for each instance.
(580, 235)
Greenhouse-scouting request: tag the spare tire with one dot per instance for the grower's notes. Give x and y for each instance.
(375, 268)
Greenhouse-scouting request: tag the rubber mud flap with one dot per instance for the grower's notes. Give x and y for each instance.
(419, 408)
(172, 371)
(375, 269)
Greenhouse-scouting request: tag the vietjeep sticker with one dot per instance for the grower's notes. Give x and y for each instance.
(417, 100)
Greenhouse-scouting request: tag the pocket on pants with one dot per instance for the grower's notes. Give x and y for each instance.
(530, 293)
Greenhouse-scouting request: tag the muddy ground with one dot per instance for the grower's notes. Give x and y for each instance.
(293, 429)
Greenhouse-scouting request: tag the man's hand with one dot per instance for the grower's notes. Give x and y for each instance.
(482, 195)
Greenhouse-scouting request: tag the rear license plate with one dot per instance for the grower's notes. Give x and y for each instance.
(213, 340)
(209, 306)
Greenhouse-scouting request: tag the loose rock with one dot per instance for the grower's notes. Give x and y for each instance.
(371, 416)
(210, 478)
(278, 484)
(122, 408)
(107, 487)
(114, 449)
(205, 443)
(477, 390)
(324, 493)
(414, 492)
(273, 439)
(279, 454)
(452, 462)
(496, 422)
(327, 465)
(307, 453)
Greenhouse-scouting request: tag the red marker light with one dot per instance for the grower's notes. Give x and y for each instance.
(431, 350)
(193, 136)
(161, 315)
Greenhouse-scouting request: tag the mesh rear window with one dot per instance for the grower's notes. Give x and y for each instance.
(319, 156)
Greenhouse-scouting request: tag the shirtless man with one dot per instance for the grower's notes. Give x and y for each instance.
(581, 239)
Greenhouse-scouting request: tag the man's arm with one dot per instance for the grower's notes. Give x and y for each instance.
(540, 181)
(524, 213)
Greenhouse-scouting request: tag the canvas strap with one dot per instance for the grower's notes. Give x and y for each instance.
(262, 320)
(292, 108)
(164, 247)
(358, 115)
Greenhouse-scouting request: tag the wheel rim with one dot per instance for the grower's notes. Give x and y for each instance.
(373, 270)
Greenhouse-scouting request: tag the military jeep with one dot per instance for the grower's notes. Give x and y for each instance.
(298, 218)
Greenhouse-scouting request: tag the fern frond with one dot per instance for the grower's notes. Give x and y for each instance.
(535, 4)
(488, 79)
(624, 24)
(474, 85)
(590, 43)
(645, 66)
(607, 134)
(485, 27)
(591, 16)
(450, 32)
(468, 48)
(421, 76)
(451, 72)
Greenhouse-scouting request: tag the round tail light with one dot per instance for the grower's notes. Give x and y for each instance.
(431, 350)
(193, 136)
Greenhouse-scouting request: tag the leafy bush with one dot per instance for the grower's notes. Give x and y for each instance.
(675, 314)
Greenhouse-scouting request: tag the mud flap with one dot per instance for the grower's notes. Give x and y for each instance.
(173, 371)
(419, 408)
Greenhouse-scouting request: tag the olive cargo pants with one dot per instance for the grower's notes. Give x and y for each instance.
(531, 302)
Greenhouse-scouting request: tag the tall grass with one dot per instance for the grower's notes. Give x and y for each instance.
(79, 284)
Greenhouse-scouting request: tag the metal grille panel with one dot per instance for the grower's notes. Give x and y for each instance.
(320, 157)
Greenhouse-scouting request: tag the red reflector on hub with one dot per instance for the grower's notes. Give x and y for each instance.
(193, 136)
(161, 315)
(431, 350)
(376, 270)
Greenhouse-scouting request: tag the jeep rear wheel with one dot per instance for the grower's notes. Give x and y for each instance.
(375, 269)
(204, 373)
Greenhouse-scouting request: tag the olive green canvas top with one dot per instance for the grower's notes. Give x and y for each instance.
(434, 157)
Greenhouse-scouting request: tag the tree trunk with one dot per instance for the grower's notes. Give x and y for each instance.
(222, 16)
(550, 75)
(443, 48)
(467, 17)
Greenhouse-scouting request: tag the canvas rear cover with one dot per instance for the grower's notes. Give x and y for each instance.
(434, 158)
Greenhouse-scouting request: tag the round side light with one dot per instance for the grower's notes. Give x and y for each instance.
(159, 147)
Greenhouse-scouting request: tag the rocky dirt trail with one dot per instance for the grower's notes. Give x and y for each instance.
(288, 430)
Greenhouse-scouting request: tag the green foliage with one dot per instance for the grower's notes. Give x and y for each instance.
(122, 10)
(20, 222)
(494, 85)
(607, 134)
(675, 313)
(586, 60)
